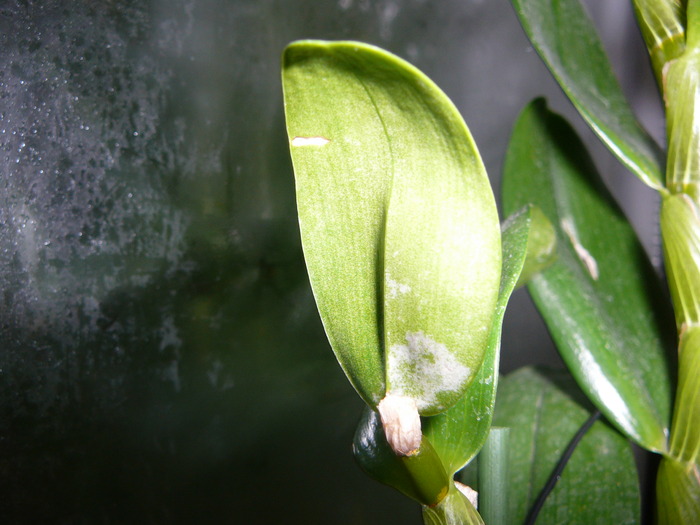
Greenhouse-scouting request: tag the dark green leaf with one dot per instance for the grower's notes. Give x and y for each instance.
(544, 411)
(421, 476)
(601, 300)
(566, 40)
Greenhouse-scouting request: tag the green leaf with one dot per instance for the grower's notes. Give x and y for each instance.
(682, 96)
(459, 433)
(601, 299)
(398, 222)
(680, 228)
(677, 493)
(685, 431)
(544, 410)
(661, 22)
(455, 509)
(693, 23)
(421, 477)
(564, 36)
(541, 244)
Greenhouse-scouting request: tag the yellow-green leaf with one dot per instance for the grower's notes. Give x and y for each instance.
(398, 222)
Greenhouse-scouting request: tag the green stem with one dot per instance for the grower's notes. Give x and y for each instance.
(493, 477)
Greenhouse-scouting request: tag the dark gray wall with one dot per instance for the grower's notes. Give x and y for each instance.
(162, 360)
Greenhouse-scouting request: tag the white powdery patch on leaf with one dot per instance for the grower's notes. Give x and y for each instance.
(423, 369)
(394, 288)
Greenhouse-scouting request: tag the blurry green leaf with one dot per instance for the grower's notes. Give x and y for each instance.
(541, 245)
(544, 411)
(601, 300)
(398, 222)
(455, 509)
(421, 476)
(682, 89)
(685, 431)
(677, 493)
(661, 22)
(458, 433)
(565, 38)
(680, 228)
(692, 23)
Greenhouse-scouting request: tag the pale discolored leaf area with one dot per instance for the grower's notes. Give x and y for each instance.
(459, 433)
(398, 222)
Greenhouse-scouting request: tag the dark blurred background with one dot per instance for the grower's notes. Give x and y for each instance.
(161, 357)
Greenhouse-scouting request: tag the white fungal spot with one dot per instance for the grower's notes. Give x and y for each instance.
(423, 369)
(584, 255)
(401, 423)
(309, 141)
(394, 288)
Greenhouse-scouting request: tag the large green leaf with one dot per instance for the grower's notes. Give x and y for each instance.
(565, 38)
(601, 300)
(459, 433)
(599, 483)
(398, 222)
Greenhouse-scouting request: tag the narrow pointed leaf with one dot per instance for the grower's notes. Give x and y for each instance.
(567, 41)
(459, 433)
(601, 299)
(398, 222)
(544, 410)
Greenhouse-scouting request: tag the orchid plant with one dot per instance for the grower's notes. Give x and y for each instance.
(412, 272)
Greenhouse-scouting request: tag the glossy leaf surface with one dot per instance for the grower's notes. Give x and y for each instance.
(544, 410)
(460, 432)
(421, 477)
(398, 222)
(567, 41)
(601, 300)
